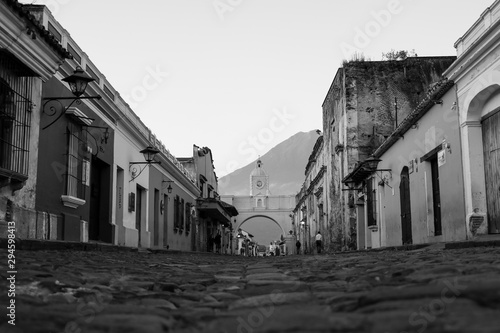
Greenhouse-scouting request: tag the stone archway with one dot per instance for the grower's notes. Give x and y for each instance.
(246, 219)
(482, 101)
(277, 209)
(274, 234)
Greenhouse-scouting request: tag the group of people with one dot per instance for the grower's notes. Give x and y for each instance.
(215, 240)
(274, 250)
(318, 240)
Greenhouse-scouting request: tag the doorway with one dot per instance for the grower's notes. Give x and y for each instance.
(436, 196)
(100, 228)
(156, 218)
(139, 211)
(164, 207)
(404, 192)
(491, 149)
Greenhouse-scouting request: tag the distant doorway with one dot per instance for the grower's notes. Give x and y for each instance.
(164, 210)
(156, 218)
(139, 210)
(404, 192)
(100, 228)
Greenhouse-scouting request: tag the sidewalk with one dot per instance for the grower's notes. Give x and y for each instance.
(58, 245)
(478, 241)
(37, 244)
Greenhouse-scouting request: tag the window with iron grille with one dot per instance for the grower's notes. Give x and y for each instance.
(16, 88)
(181, 217)
(176, 212)
(188, 217)
(78, 167)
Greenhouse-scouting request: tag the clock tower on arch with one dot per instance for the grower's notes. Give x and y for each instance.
(259, 185)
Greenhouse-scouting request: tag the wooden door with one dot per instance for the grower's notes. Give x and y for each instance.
(95, 200)
(404, 193)
(138, 213)
(165, 220)
(436, 196)
(491, 148)
(156, 218)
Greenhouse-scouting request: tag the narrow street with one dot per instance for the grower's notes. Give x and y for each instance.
(425, 290)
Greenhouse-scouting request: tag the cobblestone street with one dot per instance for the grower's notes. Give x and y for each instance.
(425, 290)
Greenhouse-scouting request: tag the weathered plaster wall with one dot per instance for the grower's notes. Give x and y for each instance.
(358, 114)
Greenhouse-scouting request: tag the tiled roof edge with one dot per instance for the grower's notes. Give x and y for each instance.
(436, 92)
(41, 31)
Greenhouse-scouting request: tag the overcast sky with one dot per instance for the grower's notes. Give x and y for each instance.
(240, 76)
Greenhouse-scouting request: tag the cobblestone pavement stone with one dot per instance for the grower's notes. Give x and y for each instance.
(425, 290)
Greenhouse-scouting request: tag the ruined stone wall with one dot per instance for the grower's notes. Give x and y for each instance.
(373, 88)
(333, 146)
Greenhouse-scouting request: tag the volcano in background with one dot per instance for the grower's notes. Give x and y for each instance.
(284, 164)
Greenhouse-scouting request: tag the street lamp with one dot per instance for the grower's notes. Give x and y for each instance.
(78, 82)
(149, 153)
(371, 163)
(169, 188)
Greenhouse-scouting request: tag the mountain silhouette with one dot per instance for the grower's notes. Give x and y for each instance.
(284, 164)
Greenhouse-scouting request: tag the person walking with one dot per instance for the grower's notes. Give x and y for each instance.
(319, 239)
(271, 248)
(298, 245)
(217, 241)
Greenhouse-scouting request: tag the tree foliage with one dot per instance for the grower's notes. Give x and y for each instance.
(398, 55)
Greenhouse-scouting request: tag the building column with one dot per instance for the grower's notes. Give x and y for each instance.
(473, 169)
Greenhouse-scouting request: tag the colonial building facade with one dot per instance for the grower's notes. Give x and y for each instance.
(477, 76)
(87, 168)
(213, 217)
(365, 103)
(410, 191)
(411, 146)
(29, 57)
(310, 215)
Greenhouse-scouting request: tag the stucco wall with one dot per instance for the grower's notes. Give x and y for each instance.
(439, 124)
(127, 150)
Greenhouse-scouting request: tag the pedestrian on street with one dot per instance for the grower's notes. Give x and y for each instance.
(210, 244)
(217, 240)
(319, 239)
(298, 244)
(271, 249)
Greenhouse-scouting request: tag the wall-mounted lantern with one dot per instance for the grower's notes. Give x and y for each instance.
(149, 155)
(78, 82)
(169, 187)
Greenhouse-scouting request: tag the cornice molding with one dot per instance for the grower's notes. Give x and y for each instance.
(34, 53)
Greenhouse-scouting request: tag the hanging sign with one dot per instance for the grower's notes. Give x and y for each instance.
(441, 157)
